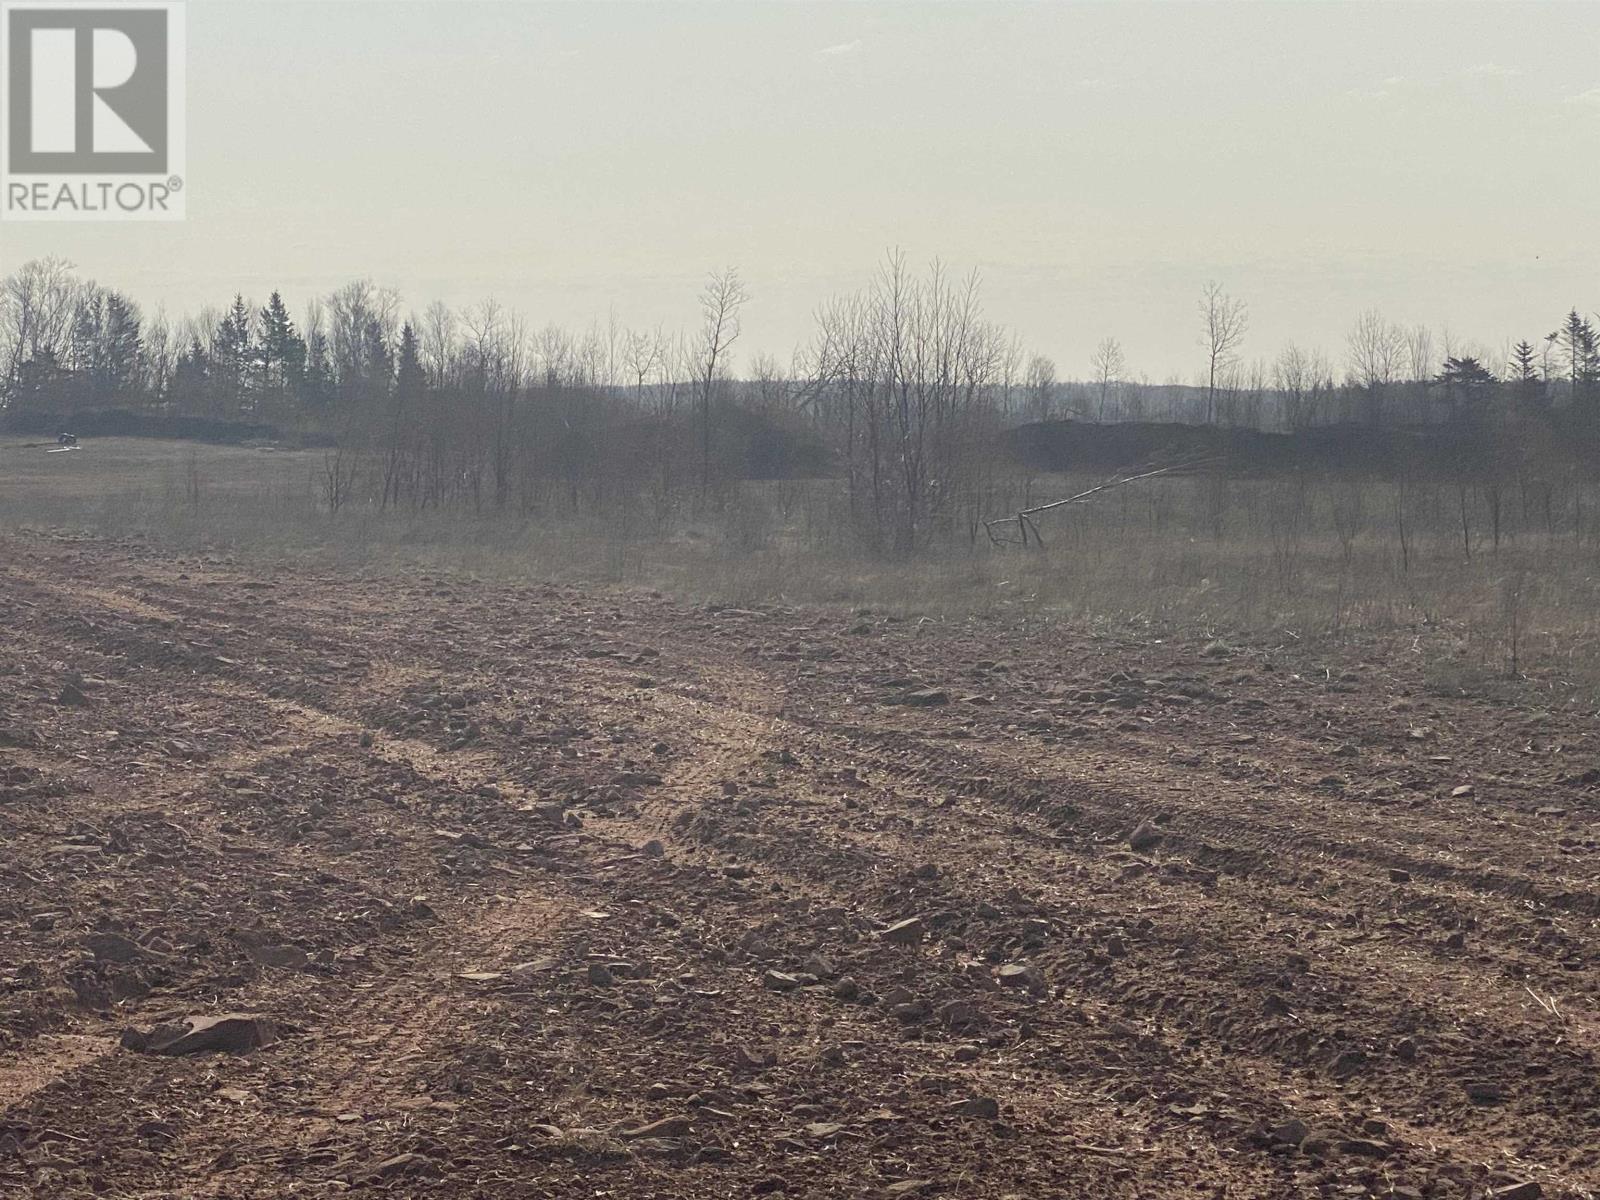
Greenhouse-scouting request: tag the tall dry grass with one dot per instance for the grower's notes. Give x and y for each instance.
(1494, 587)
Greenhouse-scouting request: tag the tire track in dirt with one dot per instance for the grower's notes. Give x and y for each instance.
(1138, 1050)
(48, 1060)
(1108, 808)
(769, 729)
(1284, 885)
(726, 741)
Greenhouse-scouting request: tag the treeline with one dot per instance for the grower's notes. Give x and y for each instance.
(901, 392)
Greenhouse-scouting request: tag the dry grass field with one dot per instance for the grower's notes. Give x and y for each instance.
(1304, 558)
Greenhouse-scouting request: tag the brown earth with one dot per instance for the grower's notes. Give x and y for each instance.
(540, 892)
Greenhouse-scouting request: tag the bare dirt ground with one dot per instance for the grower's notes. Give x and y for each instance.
(541, 892)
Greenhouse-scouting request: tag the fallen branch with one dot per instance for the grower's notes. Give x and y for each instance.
(1024, 517)
(1108, 1151)
(1548, 1005)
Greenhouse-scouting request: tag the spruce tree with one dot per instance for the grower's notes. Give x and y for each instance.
(1581, 347)
(317, 389)
(1525, 379)
(281, 357)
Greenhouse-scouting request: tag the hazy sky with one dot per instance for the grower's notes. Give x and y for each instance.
(1097, 163)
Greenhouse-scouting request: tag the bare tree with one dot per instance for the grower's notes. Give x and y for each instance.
(910, 373)
(1041, 385)
(1224, 321)
(315, 323)
(720, 302)
(768, 388)
(1419, 353)
(1109, 366)
(643, 355)
(558, 354)
(1135, 398)
(1376, 348)
(1292, 376)
(362, 318)
(438, 341)
(161, 351)
(37, 305)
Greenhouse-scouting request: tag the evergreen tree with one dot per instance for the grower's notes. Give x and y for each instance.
(191, 381)
(231, 355)
(379, 360)
(1581, 347)
(103, 349)
(317, 390)
(280, 356)
(408, 372)
(1525, 379)
(1468, 384)
(404, 412)
(122, 343)
(83, 342)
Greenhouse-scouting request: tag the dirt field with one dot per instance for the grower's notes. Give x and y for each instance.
(540, 892)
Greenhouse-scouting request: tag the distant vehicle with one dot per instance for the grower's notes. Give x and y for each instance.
(67, 439)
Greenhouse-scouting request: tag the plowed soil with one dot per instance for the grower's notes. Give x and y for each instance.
(545, 892)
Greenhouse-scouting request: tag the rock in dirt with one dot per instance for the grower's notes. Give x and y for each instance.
(820, 966)
(960, 1014)
(1397, 875)
(1290, 1133)
(753, 1060)
(1366, 1148)
(847, 988)
(904, 933)
(72, 696)
(113, 948)
(1145, 836)
(925, 698)
(403, 1165)
(1347, 1063)
(1021, 975)
(779, 981)
(230, 1033)
(911, 1011)
(984, 1108)
(908, 1187)
(666, 1127)
(1320, 1142)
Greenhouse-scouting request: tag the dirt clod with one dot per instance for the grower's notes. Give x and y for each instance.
(905, 933)
(1145, 836)
(229, 1033)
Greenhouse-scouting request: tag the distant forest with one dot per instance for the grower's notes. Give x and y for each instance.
(899, 387)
